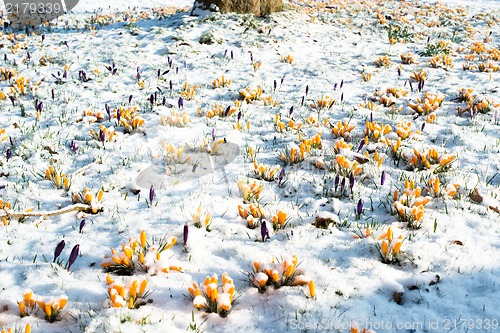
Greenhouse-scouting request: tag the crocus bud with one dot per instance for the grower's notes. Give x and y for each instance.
(264, 232)
(108, 110)
(59, 249)
(185, 235)
(73, 255)
(82, 224)
(307, 89)
(102, 136)
(359, 208)
(213, 134)
(382, 178)
(291, 111)
(351, 181)
(336, 182)
(423, 126)
(151, 195)
(275, 84)
(130, 99)
(342, 185)
(180, 102)
(281, 176)
(361, 145)
(8, 154)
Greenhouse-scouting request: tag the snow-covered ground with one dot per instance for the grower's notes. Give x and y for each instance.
(311, 91)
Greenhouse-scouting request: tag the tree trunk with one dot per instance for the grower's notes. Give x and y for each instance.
(256, 7)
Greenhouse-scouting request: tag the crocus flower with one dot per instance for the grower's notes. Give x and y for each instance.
(53, 94)
(59, 249)
(423, 126)
(382, 178)
(130, 99)
(359, 208)
(185, 235)
(336, 182)
(351, 181)
(180, 102)
(291, 111)
(281, 176)
(361, 145)
(102, 136)
(264, 231)
(151, 195)
(302, 102)
(108, 110)
(342, 185)
(213, 134)
(8, 154)
(73, 255)
(275, 85)
(82, 224)
(307, 89)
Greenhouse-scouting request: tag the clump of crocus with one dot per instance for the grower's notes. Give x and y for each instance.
(220, 111)
(430, 160)
(340, 144)
(52, 307)
(27, 329)
(202, 219)
(103, 135)
(375, 131)
(322, 103)
(222, 82)
(265, 172)
(93, 116)
(390, 246)
(382, 62)
(139, 254)
(394, 148)
(313, 142)
(287, 59)
(436, 189)
(343, 167)
(87, 198)
(280, 220)
(250, 193)
(408, 59)
(367, 76)
(405, 130)
(410, 204)
(442, 60)
(430, 103)
(250, 95)
(27, 305)
(342, 129)
(177, 119)
(212, 297)
(276, 274)
(188, 92)
(419, 77)
(375, 157)
(249, 214)
(60, 180)
(282, 126)
(476, 103)
(294, 155)
(132, 293)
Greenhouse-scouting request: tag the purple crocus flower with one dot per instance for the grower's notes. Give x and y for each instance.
(43, 38)
(232, 54)
(342, 98)
(359, 208)
(73, 255)
(307, 89)
(8, 154)
(108, 110)
(275, 85)
(118, 115)
(281, 176)
(180, 102)
(336, 182)
(185, 234)
(382, 178)
(239, 115)
(291, 111)
(341, 84)
(264, 232)
(213, 134)
(371, 117)
(342, 185)
(164, 101)
(59, 249)
(151, 195)
(12, 99)
(282, 79)
(351, 181)
(225, 53)
(82, 224)
(130, 99)
(399, 71)
(53, 94)
(102, 136)
(170, 84)
(361, 145)
(303, 100)
(423, 126)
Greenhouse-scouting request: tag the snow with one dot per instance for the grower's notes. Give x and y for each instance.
(447, 274)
